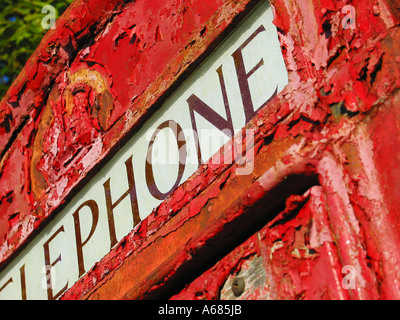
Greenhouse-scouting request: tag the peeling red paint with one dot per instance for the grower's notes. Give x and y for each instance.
(335, 121)
(298, 241)
(61, 157)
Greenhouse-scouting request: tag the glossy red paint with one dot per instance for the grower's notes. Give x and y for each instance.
(323, 194)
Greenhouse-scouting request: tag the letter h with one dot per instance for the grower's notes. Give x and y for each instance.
(111, 206)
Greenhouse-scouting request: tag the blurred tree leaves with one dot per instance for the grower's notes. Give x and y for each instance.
(20, 33)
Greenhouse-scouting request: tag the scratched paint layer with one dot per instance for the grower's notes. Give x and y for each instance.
(314, 108)
(337, 118)
(58, 155)
(297, 240)
(104, 211)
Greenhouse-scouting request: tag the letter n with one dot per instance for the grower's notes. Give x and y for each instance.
(195, 104)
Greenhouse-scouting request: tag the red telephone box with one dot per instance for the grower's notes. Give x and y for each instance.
(211, 149)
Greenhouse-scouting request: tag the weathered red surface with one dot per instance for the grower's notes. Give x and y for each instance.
(297, 240)
(334, 129)
(61, 141)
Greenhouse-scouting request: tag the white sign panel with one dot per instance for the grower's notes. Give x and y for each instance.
(220, 97)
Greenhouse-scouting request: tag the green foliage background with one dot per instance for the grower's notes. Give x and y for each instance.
(20, 33)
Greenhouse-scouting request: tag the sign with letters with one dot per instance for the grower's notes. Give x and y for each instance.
(241, 76)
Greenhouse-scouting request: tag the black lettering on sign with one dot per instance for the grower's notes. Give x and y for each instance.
(195, 104)
(181, 141)
(243, 76)
(49, 265)
(78, 237)
(111, 206)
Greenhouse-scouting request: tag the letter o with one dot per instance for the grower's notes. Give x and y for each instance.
(181, 141)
